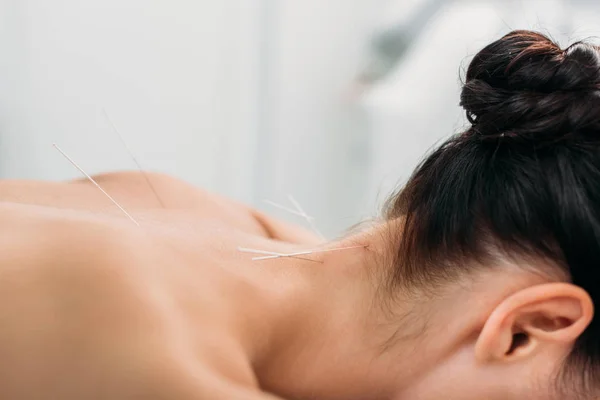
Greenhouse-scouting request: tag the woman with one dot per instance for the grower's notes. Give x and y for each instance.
(480, 283)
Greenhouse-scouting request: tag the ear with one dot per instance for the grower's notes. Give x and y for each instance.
(532, 319)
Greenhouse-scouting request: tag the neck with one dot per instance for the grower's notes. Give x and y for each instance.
(315, 318)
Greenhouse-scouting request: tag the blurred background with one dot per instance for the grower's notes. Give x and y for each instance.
(334, 102)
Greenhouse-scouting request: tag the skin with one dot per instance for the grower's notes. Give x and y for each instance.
(93, 306)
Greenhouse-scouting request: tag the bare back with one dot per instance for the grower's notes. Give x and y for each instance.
(125, 311)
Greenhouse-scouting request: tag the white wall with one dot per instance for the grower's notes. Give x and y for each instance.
(178, 78)
(316, 137)
(245, 97)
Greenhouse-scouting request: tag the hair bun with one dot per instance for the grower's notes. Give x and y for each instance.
(525, 86)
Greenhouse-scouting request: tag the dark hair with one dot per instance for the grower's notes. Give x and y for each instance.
(522, 181)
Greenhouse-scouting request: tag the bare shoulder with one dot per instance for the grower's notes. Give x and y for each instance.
(176, 193)
(150, 189)
(164, 190)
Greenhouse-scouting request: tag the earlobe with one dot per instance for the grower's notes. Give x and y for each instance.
(529, 320)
